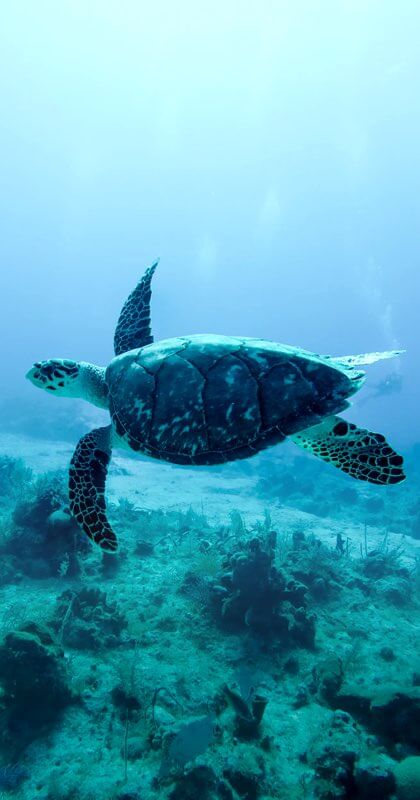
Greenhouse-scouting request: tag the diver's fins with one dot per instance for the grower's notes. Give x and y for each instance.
(366, 358)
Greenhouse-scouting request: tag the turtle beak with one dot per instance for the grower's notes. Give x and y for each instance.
(30, 375)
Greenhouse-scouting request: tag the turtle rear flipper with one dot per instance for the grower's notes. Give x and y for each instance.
(362, 454)
(87, 476)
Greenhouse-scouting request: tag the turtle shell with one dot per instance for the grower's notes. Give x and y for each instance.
(211, 399)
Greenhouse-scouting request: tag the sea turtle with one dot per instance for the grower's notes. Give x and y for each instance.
(206, 399)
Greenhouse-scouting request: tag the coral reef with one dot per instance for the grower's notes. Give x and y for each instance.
(392, 714)
(253, 593)
(14, 476)
(249, 712)
(45, 541)
(254, 656)
(12, 776)
(34, 686)
(86, 620)
(202, 782)
(407, 774)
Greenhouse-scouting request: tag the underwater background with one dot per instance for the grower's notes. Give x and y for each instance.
(257, 635)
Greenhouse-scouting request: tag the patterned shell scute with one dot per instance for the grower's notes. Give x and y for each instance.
(287, 381)
(231, 403)
(132, 391)
(179, 421)
(153, 356)
(209, 399)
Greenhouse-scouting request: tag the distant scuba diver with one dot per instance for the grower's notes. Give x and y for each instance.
(391, 384)
(207, 399)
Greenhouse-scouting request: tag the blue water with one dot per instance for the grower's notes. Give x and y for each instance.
(268, 154)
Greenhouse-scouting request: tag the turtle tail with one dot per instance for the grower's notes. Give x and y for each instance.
(87, 476)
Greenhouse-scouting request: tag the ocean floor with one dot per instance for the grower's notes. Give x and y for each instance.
(255, 638)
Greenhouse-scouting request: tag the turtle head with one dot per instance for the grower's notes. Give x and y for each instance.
(58, 375)
(67, 378)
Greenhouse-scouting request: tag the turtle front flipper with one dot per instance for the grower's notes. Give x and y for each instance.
(87, 476)
(362, 454)
(133, 327)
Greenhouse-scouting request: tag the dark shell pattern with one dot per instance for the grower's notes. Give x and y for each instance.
(211, 399)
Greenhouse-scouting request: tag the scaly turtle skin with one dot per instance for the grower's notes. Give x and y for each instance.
(206, 399)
